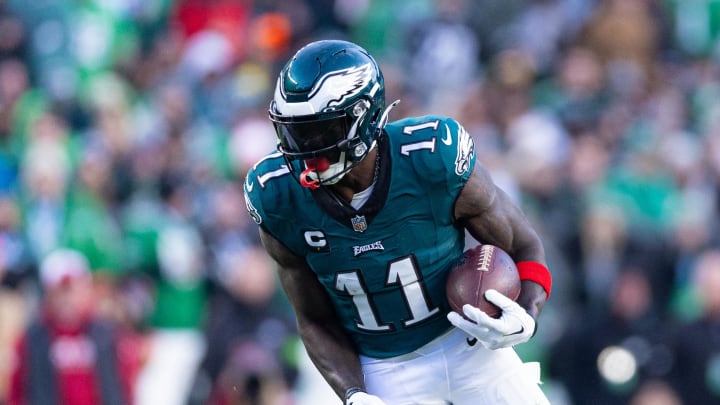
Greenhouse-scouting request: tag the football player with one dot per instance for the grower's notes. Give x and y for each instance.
(365, 218)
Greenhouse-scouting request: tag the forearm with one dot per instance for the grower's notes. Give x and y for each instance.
(530, 256)
(526, 244)
(532, 298)
(334, 355)
(326, 342)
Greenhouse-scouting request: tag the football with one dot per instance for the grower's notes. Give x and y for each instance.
(482, 268)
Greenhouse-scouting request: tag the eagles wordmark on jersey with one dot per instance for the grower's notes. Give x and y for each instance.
(365, 219)
(384, 265)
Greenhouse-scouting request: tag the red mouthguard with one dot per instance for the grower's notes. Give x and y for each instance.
(313, 166)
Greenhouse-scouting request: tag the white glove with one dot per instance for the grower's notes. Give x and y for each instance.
(363, 398)
(514, 326)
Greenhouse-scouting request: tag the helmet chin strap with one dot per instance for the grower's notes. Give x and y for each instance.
(319, 172)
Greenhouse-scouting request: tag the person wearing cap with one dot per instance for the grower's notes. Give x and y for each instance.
(67, 355)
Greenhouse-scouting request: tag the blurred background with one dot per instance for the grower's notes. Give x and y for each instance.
(126, 127)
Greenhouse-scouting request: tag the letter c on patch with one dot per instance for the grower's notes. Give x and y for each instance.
(316, 240)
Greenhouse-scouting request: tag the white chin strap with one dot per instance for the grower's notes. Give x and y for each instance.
(326, 176)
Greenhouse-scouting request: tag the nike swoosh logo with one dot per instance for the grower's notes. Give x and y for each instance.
(522, 329)
(471, 342)
(249, 186)
(447, 140)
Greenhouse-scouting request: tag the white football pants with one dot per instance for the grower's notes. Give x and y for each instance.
(449, 370)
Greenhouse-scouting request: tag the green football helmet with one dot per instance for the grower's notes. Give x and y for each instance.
(328, 109)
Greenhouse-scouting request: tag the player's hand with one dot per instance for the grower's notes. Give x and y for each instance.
(363, 398)
(514, 326)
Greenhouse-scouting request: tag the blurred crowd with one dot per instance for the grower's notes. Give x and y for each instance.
(126, 127)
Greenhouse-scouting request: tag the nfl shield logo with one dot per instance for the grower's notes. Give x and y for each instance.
(358, 222)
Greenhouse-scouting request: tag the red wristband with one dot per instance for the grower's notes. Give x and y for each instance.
(536, 272)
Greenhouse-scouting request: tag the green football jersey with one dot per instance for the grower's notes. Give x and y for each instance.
(384, 265)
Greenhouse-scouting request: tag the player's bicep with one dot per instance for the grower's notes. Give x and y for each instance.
(305, 292)
(491, 217)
